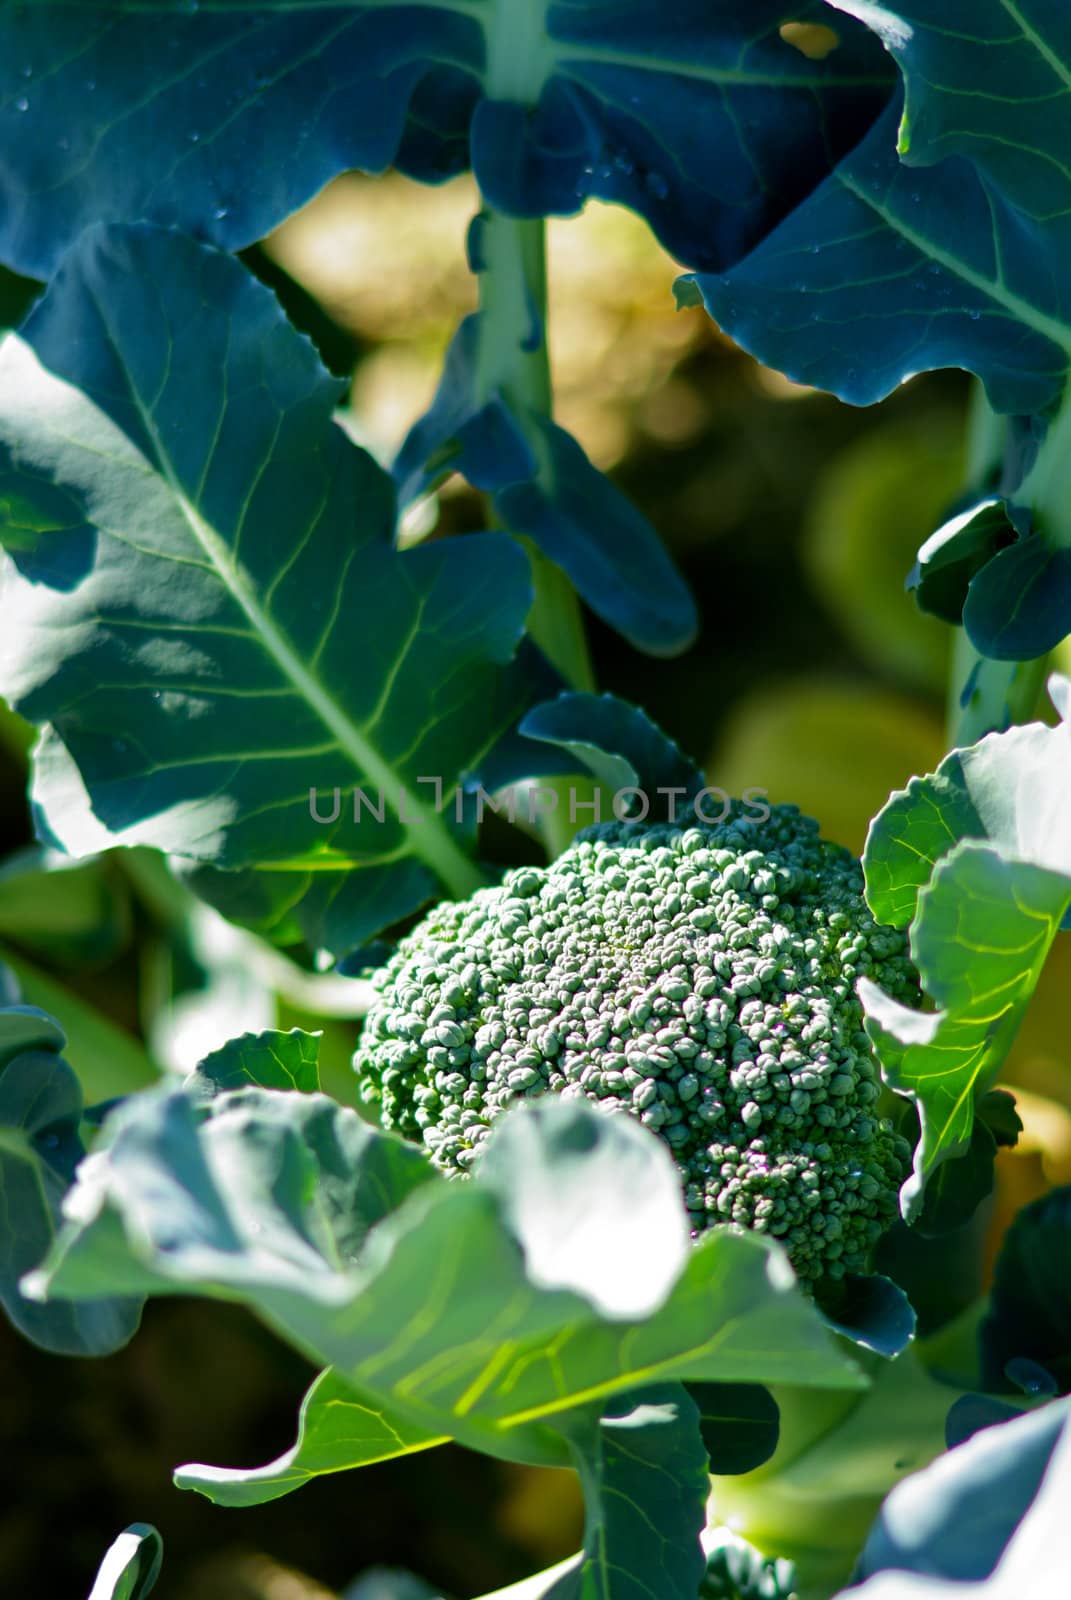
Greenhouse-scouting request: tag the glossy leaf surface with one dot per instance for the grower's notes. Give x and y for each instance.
(208, 611)
(121, 112)
(296, 1207)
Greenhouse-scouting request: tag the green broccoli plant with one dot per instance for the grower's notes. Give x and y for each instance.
(660, 1141)
(701, 978)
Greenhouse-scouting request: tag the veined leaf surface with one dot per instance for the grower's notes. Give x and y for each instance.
(127, 110)
(416, 1289)
(941, 240)
(944, 240)
(977, 858)
(205, 605)
(643, 1467)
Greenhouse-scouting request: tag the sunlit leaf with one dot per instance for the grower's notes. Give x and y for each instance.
(424, 1300)
(218, 624)
(977, 859)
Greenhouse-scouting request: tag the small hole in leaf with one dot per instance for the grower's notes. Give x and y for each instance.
(811, 39)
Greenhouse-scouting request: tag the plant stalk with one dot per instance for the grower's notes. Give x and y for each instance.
(509, 255)
(513, 365)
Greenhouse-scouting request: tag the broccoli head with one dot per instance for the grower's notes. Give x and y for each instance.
(701, 978)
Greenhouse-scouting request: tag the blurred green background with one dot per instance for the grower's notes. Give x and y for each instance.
(795, 519)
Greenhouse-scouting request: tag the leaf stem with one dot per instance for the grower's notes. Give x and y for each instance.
(509, 256)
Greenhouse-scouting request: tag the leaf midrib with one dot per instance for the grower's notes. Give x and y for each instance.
(1058, 332)
(427, 836)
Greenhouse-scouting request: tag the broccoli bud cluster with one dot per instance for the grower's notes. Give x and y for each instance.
(701, 978)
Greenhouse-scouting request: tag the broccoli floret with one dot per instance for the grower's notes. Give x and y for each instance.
(701, 978)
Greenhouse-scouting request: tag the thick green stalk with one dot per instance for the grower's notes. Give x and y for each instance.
(513, 362)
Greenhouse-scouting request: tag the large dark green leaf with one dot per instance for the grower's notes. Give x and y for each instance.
(40, 1147)
(891, 270)
(204, 603)
(944, 240)
(702, 118)
(467, 1307)
(977, 858)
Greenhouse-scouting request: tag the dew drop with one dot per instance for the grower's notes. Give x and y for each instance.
(22, 104)
(27, 71)
(91, 84)
(220, 212)
(656, 185)
(194, 137)
(974, 314)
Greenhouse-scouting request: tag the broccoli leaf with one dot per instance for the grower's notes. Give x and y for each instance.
(703, 119)
(40, 1147)
(108, 1061)
(740, 1423)
(869, 1309)
(271, 1060)
(615, 741)
(954, 1191)
(991, 1515)
(426, 1300)
(977, 858)
(339, 1427)
(643, 1467)
(131, 1565)
(942, 240)
(544, 488)
(210, 614)
(814, 1501)
(963, 222)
